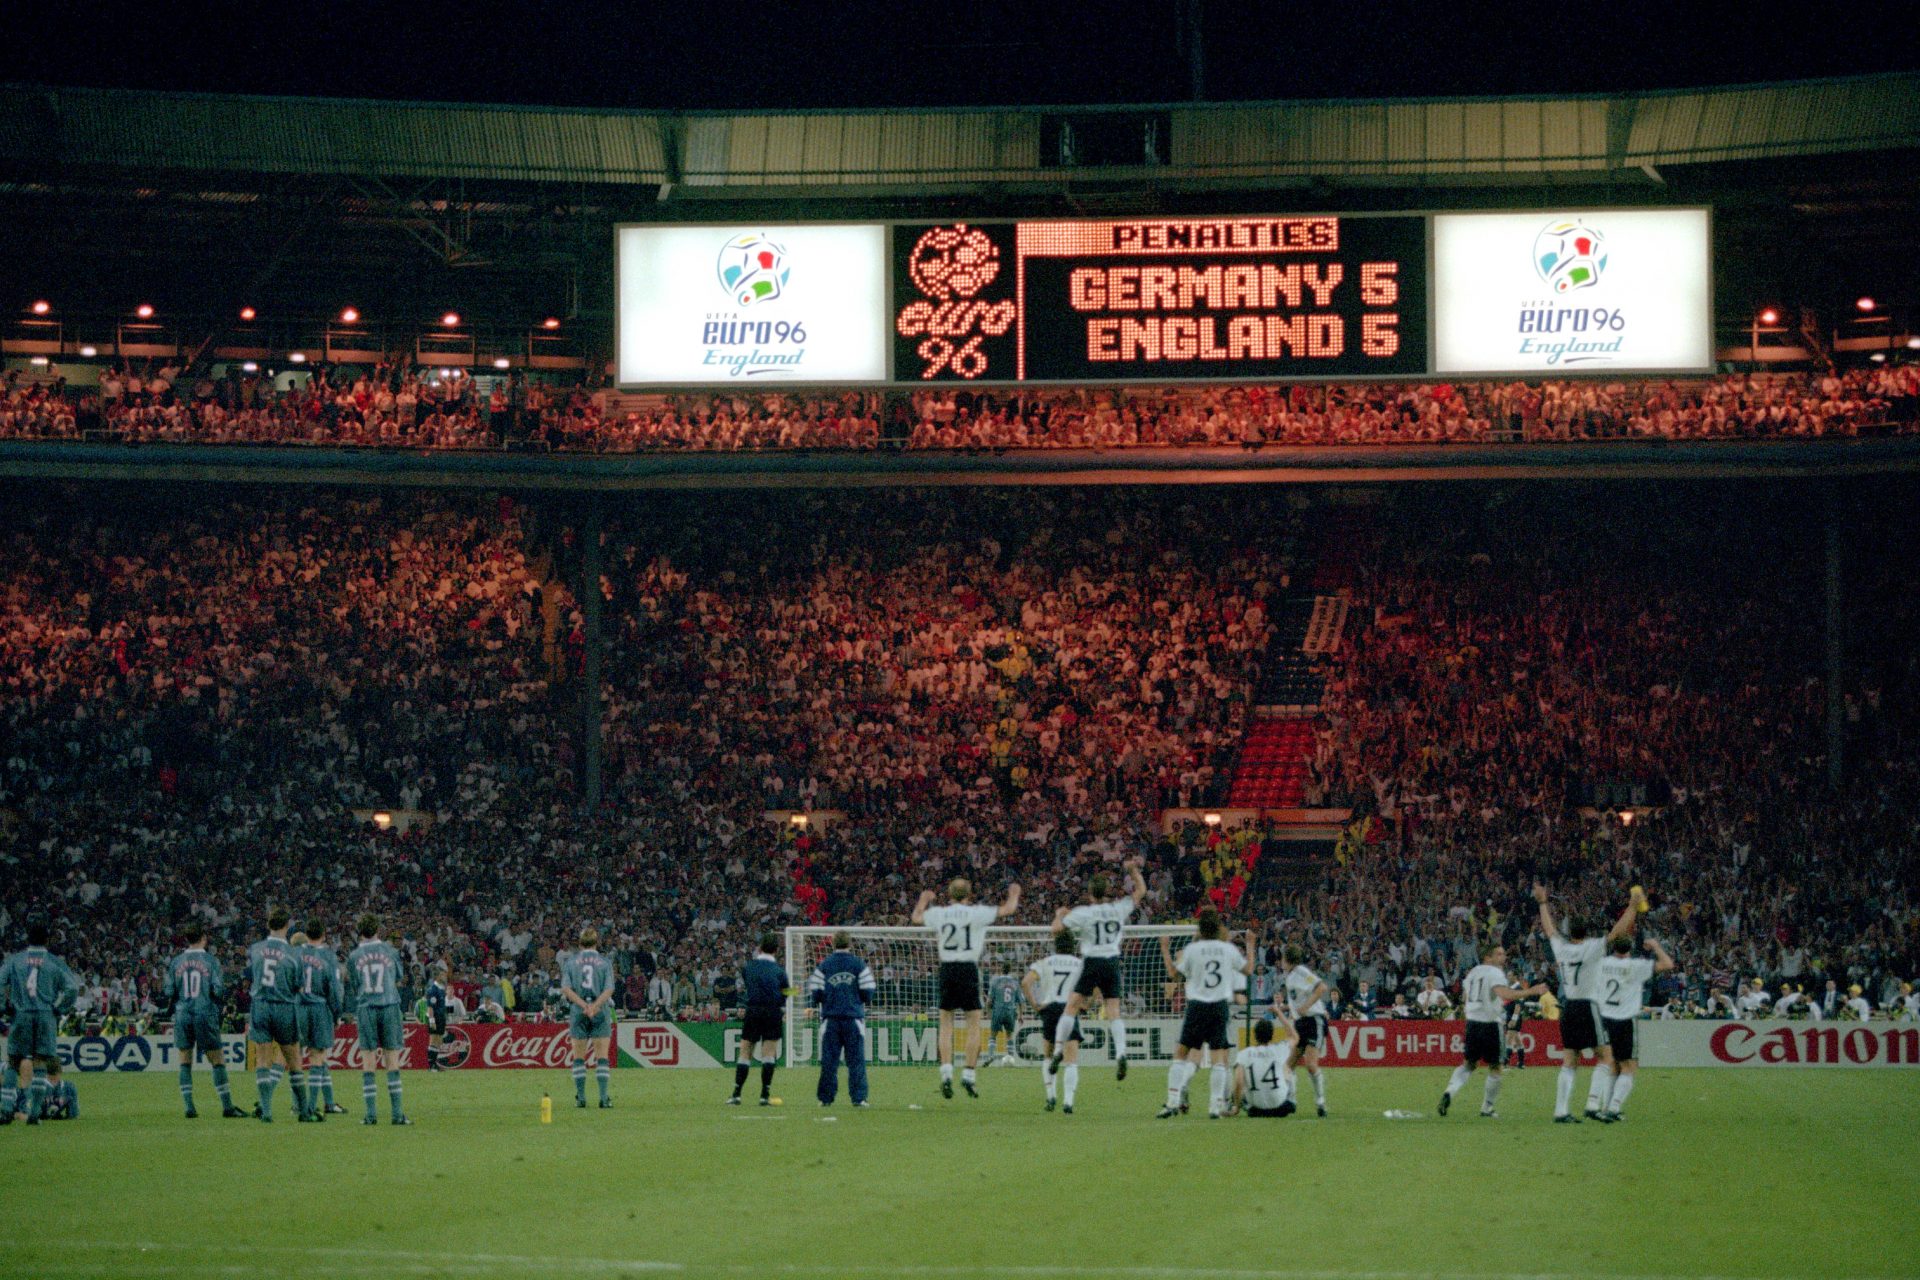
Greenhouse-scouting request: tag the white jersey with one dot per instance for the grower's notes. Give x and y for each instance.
(1623, 980)
(1210, 966)
(1579, 964)
(1482, 1004)
(960, 930)
(1300, 982)
(1055, 978)
(1861, 1009)
(1098, 925)
(1266, 1066)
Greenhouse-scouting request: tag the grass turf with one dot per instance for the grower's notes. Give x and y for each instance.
(1714, 1174)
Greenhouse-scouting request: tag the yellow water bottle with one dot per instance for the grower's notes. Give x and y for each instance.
(546, 1108)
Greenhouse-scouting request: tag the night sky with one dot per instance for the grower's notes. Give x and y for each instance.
(719, 55)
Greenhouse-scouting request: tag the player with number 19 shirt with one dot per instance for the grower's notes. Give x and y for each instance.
(1099, 923)
(959, 936)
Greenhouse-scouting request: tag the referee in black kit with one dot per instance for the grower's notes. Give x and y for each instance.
(765, 982)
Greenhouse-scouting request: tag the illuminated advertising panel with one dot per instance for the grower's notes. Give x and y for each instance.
(723, 305)
(1174, 299)
(1572, 292)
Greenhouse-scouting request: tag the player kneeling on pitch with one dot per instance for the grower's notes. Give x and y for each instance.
(1048, 983)
(1260, 1080)
(765, 982)
(1486, 992)
(1210, 966)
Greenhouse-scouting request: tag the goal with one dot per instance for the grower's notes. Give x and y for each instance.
(903, 1021)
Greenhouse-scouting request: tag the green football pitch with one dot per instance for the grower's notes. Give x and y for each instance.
(1714, 1174)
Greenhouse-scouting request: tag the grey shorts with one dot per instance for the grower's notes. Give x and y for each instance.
(379, 1027)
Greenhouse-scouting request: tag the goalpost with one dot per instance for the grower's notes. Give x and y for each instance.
(903, 1021)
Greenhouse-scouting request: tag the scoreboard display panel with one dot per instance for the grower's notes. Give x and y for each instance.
(1165, 299)
(1252, 298)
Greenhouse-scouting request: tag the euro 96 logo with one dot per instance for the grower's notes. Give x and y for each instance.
(949, 266)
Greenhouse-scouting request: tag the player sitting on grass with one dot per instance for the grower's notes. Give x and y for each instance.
(1209, 965)
(1260, 1085)
(764, 981)
(1623, 980)
(1098, 923)
(1485, 990)
(1049, 981)
(960, 935)
(586, 983)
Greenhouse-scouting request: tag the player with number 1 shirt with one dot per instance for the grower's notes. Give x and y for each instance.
(959, 936)
(1098, 923)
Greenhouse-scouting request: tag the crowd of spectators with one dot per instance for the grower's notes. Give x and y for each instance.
(1004, 684)
(398, 406)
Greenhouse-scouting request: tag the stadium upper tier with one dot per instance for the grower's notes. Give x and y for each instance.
(416, 409)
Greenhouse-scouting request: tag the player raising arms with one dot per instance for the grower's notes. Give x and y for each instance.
(1578, 958)
(315, 1010)
(1485, 990)
(764, 981)
(194, 989)
(1048, 983)
(1210, 966)
(1306, 1001)
(960, 935)
(586, 983)
(1623, 980)
(273, 968)
(373, 980)
(1097, 923)
(1260, 1083)
(39, 987)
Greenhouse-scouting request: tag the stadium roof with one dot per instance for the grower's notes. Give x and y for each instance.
(1390, 142)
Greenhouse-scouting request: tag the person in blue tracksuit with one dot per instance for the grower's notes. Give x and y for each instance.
(842, 985)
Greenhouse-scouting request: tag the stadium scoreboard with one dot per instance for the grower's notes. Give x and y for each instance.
(1166, 299)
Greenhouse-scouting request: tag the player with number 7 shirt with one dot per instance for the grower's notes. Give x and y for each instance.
(1577, 957)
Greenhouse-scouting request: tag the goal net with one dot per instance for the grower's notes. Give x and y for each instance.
(903, 1021)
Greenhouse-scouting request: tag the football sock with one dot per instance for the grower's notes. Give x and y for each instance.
(1602, 1084)
(1493, 1092)
(1293, 1085)
(1319, 1086)
(766, 1078)
(37, 1097)
(186, 1085)
(1071, 1081)
(579, 1068)
(1118, 1029)
(603, 1077)
(1176, 1081)
(740, 1072)
(369, 1095)
(393, 1092)
(433, 1055)
(324, 1074)
(946, 1073)
(1563, 1089)
(9, 1089)
(1621, 1088)
(1460, 1074)
(1063, 1031)
(1047, 1077)
(263, 1081)
(298, 1080)
(966, 1075)
(1217, 1100)
(220, 1085)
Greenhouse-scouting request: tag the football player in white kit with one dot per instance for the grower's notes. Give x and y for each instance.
(1210, 965)
(1260, 1079)
(1048, 983)
(1623, 980)
(1578, 958)
(1097, 923)
(960, 935)
(1486, 993)
(1306, 1002)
